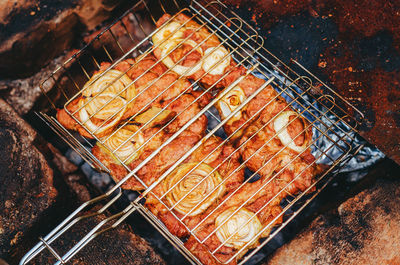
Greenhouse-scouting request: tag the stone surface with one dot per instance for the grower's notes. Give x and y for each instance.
(34, 32)
(115, 247)
(364, 230)
(22, 94)
(352, 45)
(26, 190)
(39, 187)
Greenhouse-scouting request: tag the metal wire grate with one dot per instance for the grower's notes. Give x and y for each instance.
(326, 114)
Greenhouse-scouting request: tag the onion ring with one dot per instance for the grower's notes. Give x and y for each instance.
(166, 31)
(112, 81)
(180, 69)
(123, 148)
(230, 102)
(213, 59)
(280, 124)
(247, 233)
(200, 193)
(108, 111)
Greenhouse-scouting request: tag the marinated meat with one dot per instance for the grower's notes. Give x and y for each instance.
(141, 88)
(190, 50)
(203, 179)
(265, 153)
(156, 136)
(236, 223)
(266, 99)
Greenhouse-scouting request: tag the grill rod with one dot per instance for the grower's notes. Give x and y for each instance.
(51, 237)
(131, 208)
(261, 65)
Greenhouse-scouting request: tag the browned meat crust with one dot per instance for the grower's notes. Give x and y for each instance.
(191, 56)
(170, 153)
(268, 155)
(224, 159)
(188, 106)
(153, 87)
(276, 161)
(266, 97)
(250, 197)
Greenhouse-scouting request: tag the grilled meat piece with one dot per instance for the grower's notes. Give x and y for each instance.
(188, 105)
(267, 98)
(271, 136)
(265, 153)
(115, 163)
(102, 104)
(199, 57)
(236, 223)
(145, 84)
(211, 171)
(156, 136)
(70, 123)
(153, 84)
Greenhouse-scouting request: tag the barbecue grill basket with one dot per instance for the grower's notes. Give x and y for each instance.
(331, 117)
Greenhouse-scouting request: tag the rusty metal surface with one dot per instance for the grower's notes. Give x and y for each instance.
(353, 45)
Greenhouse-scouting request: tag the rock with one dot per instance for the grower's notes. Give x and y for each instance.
(8, 6)
(17, 50)
(39, 188)
(118, 246)
(364, 230)
(28, 49)
(22, 94)
(32, 33)
(26, 190)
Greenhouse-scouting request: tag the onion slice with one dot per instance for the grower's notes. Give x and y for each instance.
(213, 59)
(230, 102)
(112, 81)
(123, 145)
(247, 233)
(96, 105)
(104, 106)
(280, 125)
(165, 32)
(203, 192)
(177, 68)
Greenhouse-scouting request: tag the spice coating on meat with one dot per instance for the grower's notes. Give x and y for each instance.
(220, 157)
(193, 45)
(184, 109)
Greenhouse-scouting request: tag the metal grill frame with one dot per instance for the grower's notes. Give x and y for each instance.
(214, 16)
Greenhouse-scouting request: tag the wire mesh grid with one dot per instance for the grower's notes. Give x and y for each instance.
(324, 114)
